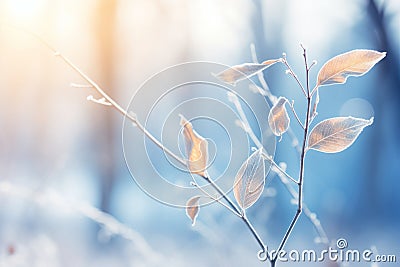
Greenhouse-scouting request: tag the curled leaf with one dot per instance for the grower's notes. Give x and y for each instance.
(278, 117)
(196, 148)
(250, 180)
(354, 63)
(336, 134)
(243, 71)
(193, 208)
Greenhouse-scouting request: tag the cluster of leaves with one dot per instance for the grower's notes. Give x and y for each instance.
(329, 136)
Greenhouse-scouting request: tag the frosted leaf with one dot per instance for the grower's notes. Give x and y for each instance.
(336, 134)
(193, 208)
(278, 117)
(353, 63)
(243, 71)
(196, 149)
(250, 180)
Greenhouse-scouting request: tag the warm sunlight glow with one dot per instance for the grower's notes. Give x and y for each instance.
(23, 9)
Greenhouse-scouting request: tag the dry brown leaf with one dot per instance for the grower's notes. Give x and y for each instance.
(250, 180)
(243, 71)
(336, 134)
(196, 149)
(353, 63)
(193, 208)
(278, 117)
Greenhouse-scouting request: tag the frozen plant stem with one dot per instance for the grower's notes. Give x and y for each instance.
(110, 101)
(290, 71)
(114, 104)
(240, 214)
(295, 114)
(136, 122)
(281, 172)
(272, 98)
(302, 158)
(215, 198)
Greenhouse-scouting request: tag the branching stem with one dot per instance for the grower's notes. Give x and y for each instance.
(111, 101)
(216, 199)
(307, 212)
(271, 97)
(241, 214)
(231, 206)
(134, 120)
(291, 72)
(95, 86)
(278, 168)
(253, 137)
(302, 159)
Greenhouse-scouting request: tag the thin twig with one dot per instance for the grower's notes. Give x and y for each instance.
(284, 61)
(149, 135)
(232, 207)
(314, 90)
(77, 85)
(241, 214)
(280, 171)
(246, 126)
(307, 212)
(271, 97)
(110, 100)
(313, 63)
(261, 78)
(215, 199)
(144, 130)
(302, 158)
(295, 114)
(264, 249)
(277, 167)
(101, 101)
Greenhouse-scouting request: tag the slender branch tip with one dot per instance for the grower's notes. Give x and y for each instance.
(80, 85)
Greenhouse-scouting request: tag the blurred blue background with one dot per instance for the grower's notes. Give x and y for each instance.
(62, 172)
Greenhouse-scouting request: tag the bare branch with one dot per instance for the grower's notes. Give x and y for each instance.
(295, 114)
(290, 71)
(302, 159)
(216, 199)
(101, 101)
(77, 85)
(108, 99)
